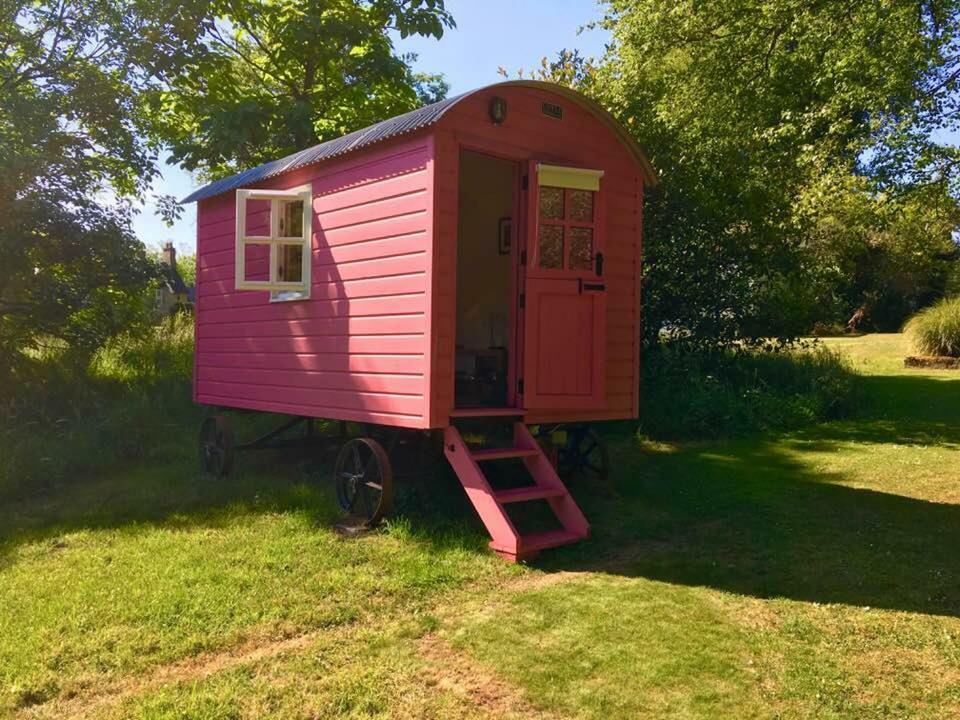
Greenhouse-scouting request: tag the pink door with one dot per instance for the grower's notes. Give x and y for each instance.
(564, 296)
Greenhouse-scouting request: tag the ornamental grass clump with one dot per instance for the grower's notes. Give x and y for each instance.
(936, 330)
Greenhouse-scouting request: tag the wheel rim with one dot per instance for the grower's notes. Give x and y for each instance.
(364, 480)
(215, 446)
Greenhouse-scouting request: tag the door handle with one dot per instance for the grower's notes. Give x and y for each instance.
(598, 264)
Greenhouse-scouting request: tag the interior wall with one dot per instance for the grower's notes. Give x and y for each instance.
(483, 273)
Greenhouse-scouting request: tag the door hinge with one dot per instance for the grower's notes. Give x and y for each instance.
(526, 182)
(520, 386)
(522, 301)
(523, 257)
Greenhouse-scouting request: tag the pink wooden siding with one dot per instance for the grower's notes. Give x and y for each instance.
(578, 139)
(357, 349)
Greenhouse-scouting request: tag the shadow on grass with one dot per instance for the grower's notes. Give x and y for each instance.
(173, 494)
(751, 517)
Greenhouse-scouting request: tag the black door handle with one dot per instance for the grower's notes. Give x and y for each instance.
(598, 264)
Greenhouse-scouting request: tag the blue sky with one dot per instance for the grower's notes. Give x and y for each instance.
(490, 33)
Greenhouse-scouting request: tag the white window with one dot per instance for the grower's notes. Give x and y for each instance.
(274, 230)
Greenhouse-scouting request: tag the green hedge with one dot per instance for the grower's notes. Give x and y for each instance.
(689, 392)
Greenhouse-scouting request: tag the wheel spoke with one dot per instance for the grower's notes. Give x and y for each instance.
(362, 490)
(358, 464)
(376, 486)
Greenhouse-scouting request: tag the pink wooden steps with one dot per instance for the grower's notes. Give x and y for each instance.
(490, 504)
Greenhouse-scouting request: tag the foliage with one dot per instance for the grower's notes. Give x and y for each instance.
(691, 392)
(889, 255)
(278, 76)
(62, 422)
(72, 148)
(936, 329)
(744, 107)
(187, 267)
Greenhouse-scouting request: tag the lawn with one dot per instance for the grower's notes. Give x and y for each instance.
(809, 574)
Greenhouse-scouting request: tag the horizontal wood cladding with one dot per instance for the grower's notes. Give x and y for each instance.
(579, 139)
(357, 349)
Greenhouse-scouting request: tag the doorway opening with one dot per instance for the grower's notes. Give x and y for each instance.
(486, 239)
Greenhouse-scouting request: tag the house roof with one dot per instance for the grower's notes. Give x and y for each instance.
(407, 123)
(174, 282)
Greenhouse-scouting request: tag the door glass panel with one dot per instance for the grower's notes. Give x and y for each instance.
(551, 203)
(291, 219)
(581, 205)
(290, 268)
(581, 248)
(551, 246)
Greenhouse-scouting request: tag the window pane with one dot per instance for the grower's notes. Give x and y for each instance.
(256, 262)
(551, 203)
(551, 246)
(291, 219)
(581, 248)
(581, 205)
(258, 218)
(290, 268)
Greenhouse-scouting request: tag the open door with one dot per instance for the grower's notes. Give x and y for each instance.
(564, 295)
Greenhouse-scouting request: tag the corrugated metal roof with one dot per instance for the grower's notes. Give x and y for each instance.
(408, 122)
(399, 125)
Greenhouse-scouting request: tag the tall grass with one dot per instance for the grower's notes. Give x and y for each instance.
(132, 401)
(936, 330)
(697, 393)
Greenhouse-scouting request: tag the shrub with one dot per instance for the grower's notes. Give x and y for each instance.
(132, 401)
(936, 330)
(695, 392)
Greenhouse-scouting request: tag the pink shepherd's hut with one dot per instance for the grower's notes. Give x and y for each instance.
(475, 258)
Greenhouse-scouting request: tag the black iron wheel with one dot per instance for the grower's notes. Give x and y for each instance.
(216, 446)
(364, 480)
(584, 455)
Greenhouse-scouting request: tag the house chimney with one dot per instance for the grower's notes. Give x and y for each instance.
(170, 255)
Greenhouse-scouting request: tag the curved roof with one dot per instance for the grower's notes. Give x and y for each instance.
(407, 123)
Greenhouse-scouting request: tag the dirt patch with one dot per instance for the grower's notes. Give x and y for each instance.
(460, 675)
(83, 704)
(932, 362)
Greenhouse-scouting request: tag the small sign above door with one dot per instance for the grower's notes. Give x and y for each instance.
(551, 110)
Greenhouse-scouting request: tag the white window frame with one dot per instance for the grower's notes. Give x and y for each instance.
(280, 290)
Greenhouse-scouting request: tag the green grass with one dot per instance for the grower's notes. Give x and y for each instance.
(803, 574)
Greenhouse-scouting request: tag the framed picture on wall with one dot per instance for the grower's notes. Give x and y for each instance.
(503, 235)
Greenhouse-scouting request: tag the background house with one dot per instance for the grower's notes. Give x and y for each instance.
(172, 293)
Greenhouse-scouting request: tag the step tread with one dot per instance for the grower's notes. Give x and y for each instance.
(532, 492)
(551, 538)
(502, 453)
(485, 412)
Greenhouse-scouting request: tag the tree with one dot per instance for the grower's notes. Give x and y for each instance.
(72, 149)
(745, 106)
(281, 75)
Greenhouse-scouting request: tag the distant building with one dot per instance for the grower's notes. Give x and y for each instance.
(172, 294)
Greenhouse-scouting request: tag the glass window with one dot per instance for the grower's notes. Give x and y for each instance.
(551, 203)
(274, 242)
(290, 263)
(567, 227)
(551, 247)
(581, 205)
(291, 219)
(581, 248)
